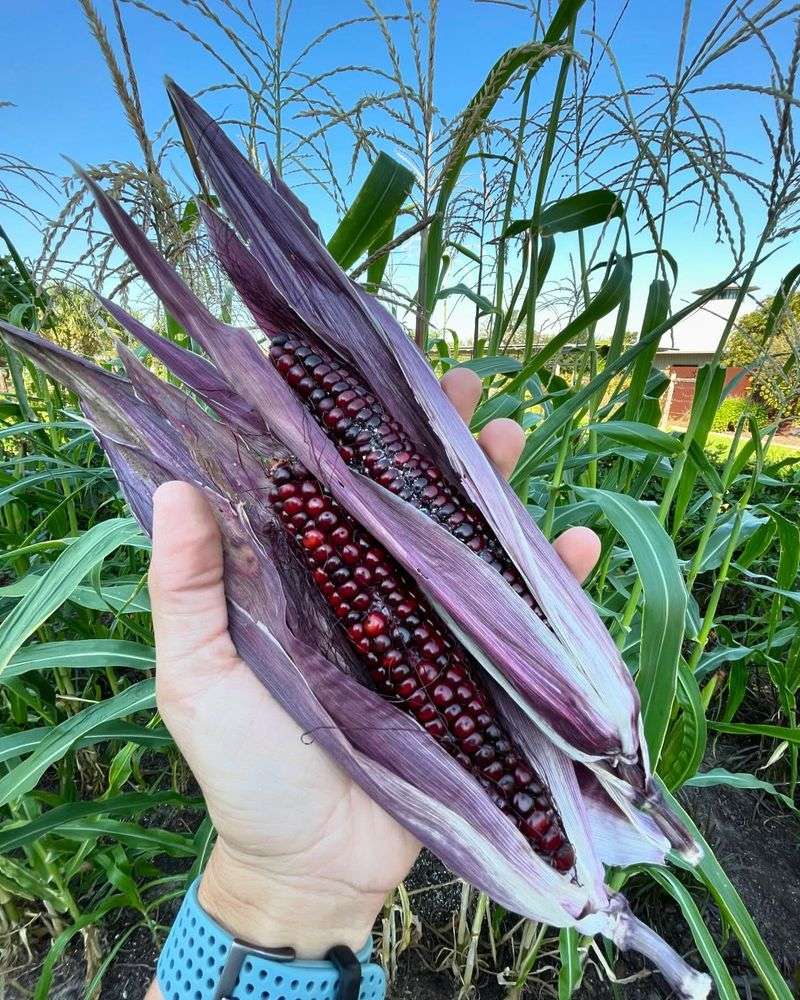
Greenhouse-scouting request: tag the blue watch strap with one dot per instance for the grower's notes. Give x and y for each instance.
(202, 961)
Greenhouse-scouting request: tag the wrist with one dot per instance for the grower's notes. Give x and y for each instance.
(275, 910)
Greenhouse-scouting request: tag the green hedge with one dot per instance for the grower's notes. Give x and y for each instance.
(732, 409)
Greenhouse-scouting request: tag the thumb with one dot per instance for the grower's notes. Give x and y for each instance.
(190, 618)
(580, 548)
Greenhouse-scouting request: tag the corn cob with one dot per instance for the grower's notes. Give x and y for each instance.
(410, 657)
(377, 446)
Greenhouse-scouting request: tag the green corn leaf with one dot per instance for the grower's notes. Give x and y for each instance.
(203, 842)
(503, 404)
(148, 838)
(569, 514)
(655, 386)
(789, 733)
(664, 611)
(608, 297)
(578, 211)
(756, 545)
(665, 254)
(739, 779)
(655, 314)
(375, 207)
(83, 654)
(480, 301)
(18, 744)
(743, 457)
(706, 945)
(93, 986)
(571, 971)
(782, 297)
(719, 655)
(639, 435)
(736, 690)
(9, 490)
(120, 768)
(685, 744)
(790, 595)
(22, 880)
(718, 542)
(542, 437)
(533, 55)
(789, 537)
(177, 333)
(116, 865)
(710, 873)
(617, 345)
(36, 426)
(567, 11)
(60, 581)
(60, 944)
(491, 366)
(17, 834)
(18, 380)
(701, 463)
(693, 618)
(708, 390)
(61, 738)
(547, 251)
(377, 268)
(128, 597)
(515, 228)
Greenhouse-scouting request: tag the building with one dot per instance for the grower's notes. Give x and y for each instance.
(689, 345)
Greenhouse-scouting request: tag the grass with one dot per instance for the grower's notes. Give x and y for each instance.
(786, 455)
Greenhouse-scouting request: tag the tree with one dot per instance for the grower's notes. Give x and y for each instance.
(771, 357)
(75, 319)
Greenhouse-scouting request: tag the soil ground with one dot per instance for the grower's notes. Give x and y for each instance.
(758, 846)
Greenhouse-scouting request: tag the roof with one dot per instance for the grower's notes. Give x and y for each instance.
(701, 331)
(730, 289)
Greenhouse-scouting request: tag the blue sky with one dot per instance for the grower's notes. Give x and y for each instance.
(65, 104)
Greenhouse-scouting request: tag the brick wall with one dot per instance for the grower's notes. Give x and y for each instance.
(683, 392)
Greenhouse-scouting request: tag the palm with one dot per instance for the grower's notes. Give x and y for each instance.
(256, 770)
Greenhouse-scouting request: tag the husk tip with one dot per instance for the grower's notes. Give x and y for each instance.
(77, 169)
(691, 853)
(696, 986)
(173, 89)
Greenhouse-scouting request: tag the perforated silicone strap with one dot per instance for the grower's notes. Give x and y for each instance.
(191, 966)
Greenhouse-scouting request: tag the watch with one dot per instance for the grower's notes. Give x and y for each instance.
(202, 961)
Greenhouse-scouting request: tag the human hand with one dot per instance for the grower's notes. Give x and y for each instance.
(304, 857)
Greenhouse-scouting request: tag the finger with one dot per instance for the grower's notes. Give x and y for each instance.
(463, 388)
(190, 618)
(502, 439)
(579, 547)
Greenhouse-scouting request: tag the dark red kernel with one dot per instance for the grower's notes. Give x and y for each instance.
(523, 803)
(564, 858)
(436, 728)
(463, 727)
(374, 624)
(313, 538)
(536, 824)
(442, 695)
